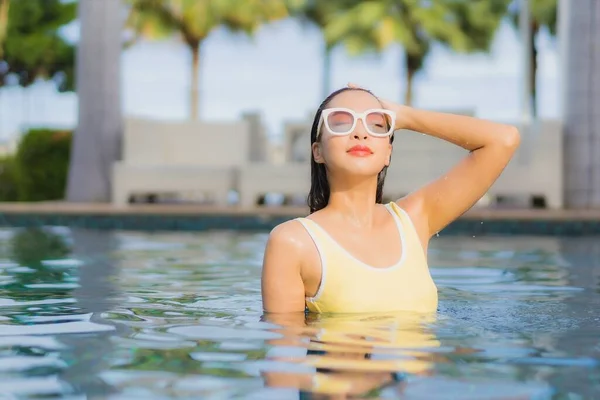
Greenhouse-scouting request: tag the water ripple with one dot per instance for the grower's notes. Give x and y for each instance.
(160, 315)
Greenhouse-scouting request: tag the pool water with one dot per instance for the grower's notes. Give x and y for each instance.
(121, 315)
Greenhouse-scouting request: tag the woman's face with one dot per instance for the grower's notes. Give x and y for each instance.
(358, 153)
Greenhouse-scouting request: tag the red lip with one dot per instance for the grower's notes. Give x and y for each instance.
(360, 150)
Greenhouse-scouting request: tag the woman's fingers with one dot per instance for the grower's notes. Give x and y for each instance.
(387, 104)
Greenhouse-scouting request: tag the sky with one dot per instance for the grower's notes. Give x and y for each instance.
(278, 74)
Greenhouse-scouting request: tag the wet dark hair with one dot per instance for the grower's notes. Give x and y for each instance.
(318, 196)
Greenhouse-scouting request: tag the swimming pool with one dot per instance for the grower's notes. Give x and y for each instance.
(157, 315)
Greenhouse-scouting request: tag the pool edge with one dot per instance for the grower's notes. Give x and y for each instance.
(201, 217)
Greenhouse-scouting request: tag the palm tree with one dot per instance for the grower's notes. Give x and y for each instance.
(194, 20)
(98, 136)
(542, 14)
(31, 45)
(318, 13)
(464, 26)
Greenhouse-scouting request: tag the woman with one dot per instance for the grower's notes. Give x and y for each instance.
(353, 254)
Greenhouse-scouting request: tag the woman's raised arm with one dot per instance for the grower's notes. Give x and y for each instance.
(491, 146)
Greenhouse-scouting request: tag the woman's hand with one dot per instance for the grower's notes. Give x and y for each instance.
(402, 112)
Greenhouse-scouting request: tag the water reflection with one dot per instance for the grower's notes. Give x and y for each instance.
(37, 275)
(96, 294)
(349, 354)
(38, 280)
(53, 290)
(401, 355)
(37, 292)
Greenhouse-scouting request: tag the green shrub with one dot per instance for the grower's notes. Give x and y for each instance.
(8, 179)
(42, 160)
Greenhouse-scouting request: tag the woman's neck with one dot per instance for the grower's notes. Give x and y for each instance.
(354, 203)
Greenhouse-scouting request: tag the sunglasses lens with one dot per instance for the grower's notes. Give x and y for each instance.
(340, 121)
(378, 123)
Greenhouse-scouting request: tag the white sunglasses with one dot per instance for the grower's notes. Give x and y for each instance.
(378, 122)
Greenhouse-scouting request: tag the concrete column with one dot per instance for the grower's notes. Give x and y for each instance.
(580, 30)
(97, 140)
(258, 137)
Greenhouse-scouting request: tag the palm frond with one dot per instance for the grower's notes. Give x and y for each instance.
(463, 25)
(194, 20)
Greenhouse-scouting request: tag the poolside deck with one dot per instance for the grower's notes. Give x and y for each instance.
(64, 208)
(194, 217)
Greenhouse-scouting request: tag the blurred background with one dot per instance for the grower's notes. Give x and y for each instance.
(215, 68)
(278, 69)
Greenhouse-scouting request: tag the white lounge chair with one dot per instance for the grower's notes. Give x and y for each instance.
(166, 157)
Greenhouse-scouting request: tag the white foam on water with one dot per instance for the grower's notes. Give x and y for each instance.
(55, 329)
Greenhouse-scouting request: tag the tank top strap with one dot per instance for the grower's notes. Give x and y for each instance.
(324, 248)
(411, 234)
(319, 237)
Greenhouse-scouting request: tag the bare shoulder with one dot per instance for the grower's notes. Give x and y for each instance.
(287, 241)
(290, 235)
(282, 285)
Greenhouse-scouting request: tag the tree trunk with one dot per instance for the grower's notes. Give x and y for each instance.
(326, 89)
(533, 69)
(4, 4)
(413, 64)
(195, 81)
(97, 139)
(581, 101)
(410, 77)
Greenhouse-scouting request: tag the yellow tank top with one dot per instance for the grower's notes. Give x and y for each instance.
(349, 285)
